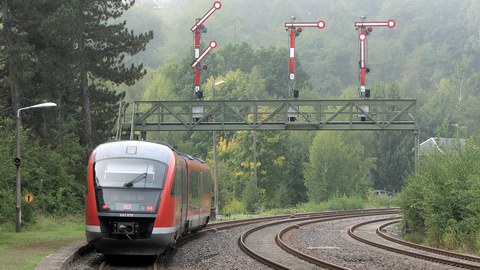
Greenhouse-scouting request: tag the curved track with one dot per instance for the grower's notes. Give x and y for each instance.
(118, 262)
(414, 250)
(264, 243)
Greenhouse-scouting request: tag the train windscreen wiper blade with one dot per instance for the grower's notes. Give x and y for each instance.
(136, 179)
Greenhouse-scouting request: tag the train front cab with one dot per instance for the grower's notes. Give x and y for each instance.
(127, 208)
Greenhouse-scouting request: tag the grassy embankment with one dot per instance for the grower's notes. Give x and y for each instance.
(26, 249)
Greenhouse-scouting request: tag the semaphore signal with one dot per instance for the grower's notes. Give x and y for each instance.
(295, 29)
(197, 29)
(364, 28)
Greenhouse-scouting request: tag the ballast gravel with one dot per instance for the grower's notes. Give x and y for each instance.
(330, 241)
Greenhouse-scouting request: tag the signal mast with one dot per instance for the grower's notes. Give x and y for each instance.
(364, 29)
(197, 29)
(295, 29)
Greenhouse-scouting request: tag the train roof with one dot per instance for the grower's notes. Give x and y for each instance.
(143, 149)
(110, 149)
(191, 157)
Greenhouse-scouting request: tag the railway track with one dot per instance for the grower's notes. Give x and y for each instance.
(410, 249)
(132, 263)
(274, 243)
(117, 262)
(214, 227)
(264, 243)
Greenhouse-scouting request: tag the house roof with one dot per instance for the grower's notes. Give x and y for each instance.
(440, 144)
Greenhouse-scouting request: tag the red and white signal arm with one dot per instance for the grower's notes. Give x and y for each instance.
(319, 24)
(211, 46)
(389, 23)
(216, 6)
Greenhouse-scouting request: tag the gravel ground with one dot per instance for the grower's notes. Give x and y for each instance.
(217, 250)
(325, 240)
(331, 242)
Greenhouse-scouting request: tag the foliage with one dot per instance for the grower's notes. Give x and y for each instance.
(337, 165)
(432, 55)
(48, 172)
(442, 199)
(376, 201)
(234, 207)
(7, 178)
(336, 202)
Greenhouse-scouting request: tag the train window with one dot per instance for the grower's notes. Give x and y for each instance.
(130, 173)
(194, 195)
(177, 181)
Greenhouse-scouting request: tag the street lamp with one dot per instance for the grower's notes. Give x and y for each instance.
(215, 155)
(18, 161)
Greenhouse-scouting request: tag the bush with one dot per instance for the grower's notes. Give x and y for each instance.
(49, 172)
(337, 202)
(234, 207)
(7, 172)
(442, 201)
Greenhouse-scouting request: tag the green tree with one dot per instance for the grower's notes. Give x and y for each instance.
(96, 45)
(18, 55)
(337, 165)
(451, 107)
(394, 159)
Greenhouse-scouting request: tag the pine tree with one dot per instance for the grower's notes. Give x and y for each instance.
(71, 52)
(101, 51)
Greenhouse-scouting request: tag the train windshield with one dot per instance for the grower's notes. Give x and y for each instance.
(130, 173)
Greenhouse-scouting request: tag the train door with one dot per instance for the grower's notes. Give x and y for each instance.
(193, 198)
(180, 193)
(184, 193)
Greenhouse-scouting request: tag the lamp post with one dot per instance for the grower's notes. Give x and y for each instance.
(215, 155)
(18, 161)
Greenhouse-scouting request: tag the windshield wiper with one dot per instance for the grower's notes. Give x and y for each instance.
(136, 179)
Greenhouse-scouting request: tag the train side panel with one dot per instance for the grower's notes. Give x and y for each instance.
(199, 191)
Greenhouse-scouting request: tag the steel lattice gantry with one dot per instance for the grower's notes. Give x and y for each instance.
(140, 117)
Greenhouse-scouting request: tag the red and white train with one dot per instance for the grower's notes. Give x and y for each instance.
(143, 196)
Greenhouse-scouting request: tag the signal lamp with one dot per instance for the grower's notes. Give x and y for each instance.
(391, 23)
(369, 29)
(17, 162)
(299, 30)
(295, 93)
